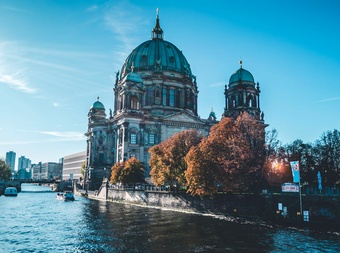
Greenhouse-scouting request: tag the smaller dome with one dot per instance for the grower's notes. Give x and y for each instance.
(241, 75)
(98, 105)
(134, 77)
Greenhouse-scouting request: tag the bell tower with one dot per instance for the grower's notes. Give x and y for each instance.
(242, 94)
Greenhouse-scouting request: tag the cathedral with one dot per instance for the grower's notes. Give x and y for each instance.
(155, 96)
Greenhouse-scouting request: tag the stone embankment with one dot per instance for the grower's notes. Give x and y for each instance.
(323, 210)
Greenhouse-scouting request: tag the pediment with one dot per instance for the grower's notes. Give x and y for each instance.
(184, 117)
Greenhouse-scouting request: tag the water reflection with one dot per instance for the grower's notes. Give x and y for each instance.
(37, 222)
(134, 229)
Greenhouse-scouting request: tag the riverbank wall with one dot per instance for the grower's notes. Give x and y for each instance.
(277, 208)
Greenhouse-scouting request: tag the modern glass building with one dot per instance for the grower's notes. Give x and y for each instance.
(10, 160)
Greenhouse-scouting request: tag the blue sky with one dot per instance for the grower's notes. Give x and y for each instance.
(56, 57)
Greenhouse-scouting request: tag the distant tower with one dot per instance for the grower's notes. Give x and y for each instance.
(242, 95)
(10, 160)
(24, 167)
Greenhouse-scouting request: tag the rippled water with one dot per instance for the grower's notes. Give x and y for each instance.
(37, 222)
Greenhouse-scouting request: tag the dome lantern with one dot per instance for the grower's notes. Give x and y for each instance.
(157, 32)
(98, 105)
(241, 75)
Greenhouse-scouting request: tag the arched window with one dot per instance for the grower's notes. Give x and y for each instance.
(250, 101)
(134, 103)
(151, 138)
(172, 97)
(233, 101)
(240, 100)
(164, 97)
(133, 138)
(158, 96)
(158, 93)
(178, 98)
(150, 97)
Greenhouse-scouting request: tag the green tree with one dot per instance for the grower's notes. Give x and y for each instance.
(326, 155)
(304, 153)
(276, 169)
(129, 172)
(167, 161)
(322, 155)
(5, 171)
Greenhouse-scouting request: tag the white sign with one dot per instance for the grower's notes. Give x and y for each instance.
(290, 187)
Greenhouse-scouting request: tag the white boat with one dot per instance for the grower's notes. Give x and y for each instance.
(11, 192)
(66, 196)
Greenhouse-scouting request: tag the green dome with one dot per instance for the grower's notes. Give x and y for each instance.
(241, 75)
(134, 77)
(98, 105)
(156, 55)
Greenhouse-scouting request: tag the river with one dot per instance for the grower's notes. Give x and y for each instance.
(35, 221)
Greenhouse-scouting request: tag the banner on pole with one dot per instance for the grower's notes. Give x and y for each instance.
(295, 171)
(319, 181)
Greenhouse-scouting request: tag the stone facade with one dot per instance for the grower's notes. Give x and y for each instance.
(155, 96)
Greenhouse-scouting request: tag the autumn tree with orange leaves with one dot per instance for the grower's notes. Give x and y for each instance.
(167, 158)
(129, 172)
(230, 159)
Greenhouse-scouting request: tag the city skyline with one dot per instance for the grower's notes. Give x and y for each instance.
(57, 57)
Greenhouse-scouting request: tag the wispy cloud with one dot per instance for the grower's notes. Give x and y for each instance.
(10, 8)
(16, 82)
(47, 64)
(92, 8)
(54, 137)
(65, 53)
(9, 73)
(66, 135)
(124, 20)
(329, 99)
(219, 84)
